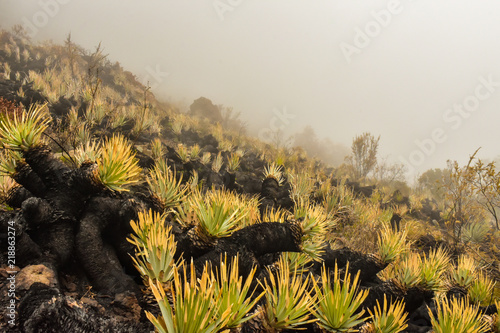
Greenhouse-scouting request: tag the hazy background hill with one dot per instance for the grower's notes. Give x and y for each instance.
(261, 58)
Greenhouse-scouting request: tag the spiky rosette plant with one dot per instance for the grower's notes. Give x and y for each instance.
(117, 166)
(434, 265)
(194, 183)
(300, 260)
(250, 207)
(7, 184)
(391, 244)
(217, 163)
(475, 232)
(315, 224)
(324, 189)
(233, 162)
(275, 172)
(164, 186)
(314, 220)
(9, 159)
(456, 315)
(235, 296)
(388, 318)
(183, 153)
(288, 302)
(302, 185)
(226, 145)
(408, 271)
(194, 152)
(89, 151)
(195, 307)
(155, 247)
(481, 289)
(205, 158)
(219, 212)
(338, 301)
(157, 149)
(344, 194)
(496, 323)
(20, 131)
(177, 127)
(465, 272)
(275, 215)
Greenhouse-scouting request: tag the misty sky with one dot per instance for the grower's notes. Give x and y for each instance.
(423, 74)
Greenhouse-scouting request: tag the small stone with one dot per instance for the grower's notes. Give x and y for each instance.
(35, 273)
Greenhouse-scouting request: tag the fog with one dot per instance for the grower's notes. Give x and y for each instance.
(424, 75)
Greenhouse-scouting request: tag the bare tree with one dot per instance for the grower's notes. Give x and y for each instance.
(431, 181)
(487, 186)
(471, 188)
(387, 173)
(279, 140)
(363, 156)
(72, 52)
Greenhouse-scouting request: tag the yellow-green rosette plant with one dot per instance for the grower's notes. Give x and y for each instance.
(234, 294)
(456, 315)
(391, 244)
(6, 185)
(302, 185)
(183, 153)
(9, 159)
(217, 163)
(481, 289)
(388, 318)
(434, 266)
(275, 172)
(233, 162)
(219, 212)
(338, 301)
(299, 260)
(315, 224)
(275, 215)
(496, 324)
(408, 271)
(157, 149)
(20, 132)
(195, 307)
(164, 186)
(155, 247)
(117, 166)
(88, 151)
(288, 301)
(465, 272)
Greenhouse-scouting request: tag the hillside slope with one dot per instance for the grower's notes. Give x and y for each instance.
(86, 149)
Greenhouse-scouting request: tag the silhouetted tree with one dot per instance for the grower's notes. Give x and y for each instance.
(203, 107)
(430, 180)
(363, 156)
(459, 193)
(231, 120)
(387, 173)
(487, 185)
